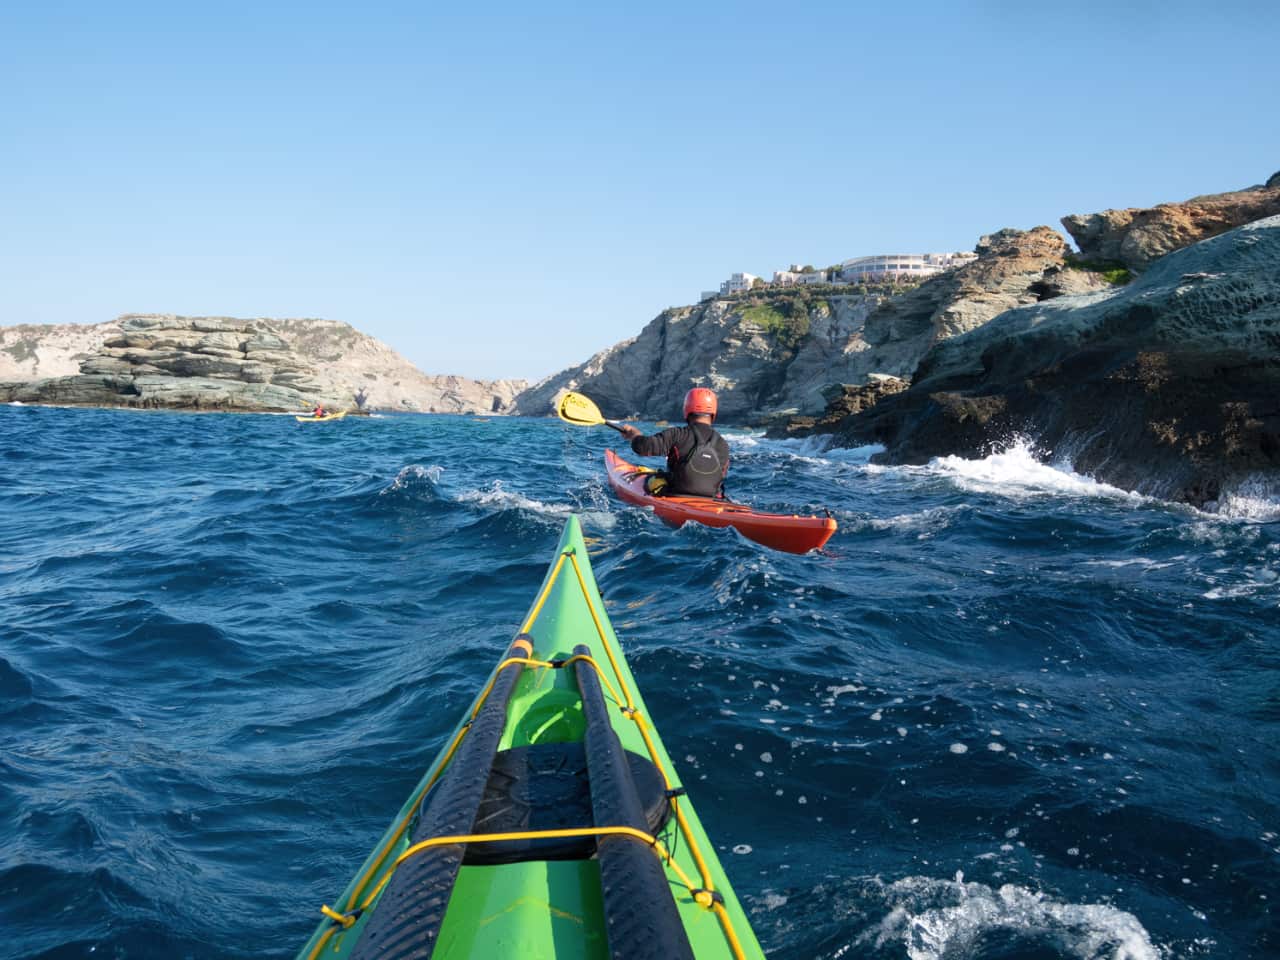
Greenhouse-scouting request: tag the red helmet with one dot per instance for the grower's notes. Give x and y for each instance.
(700, 400)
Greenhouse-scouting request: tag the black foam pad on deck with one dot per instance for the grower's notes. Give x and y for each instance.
(545, 787)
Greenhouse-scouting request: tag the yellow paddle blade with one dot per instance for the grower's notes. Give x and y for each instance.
(580, 410)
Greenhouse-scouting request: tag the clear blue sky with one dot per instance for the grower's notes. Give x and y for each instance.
(504, 192)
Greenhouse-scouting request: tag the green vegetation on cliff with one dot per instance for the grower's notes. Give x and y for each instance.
(1110, 271)
(784, 319)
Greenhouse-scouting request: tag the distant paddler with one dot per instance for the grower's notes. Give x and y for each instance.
(320, 414)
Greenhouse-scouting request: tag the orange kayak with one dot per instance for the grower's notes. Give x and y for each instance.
(787, 532)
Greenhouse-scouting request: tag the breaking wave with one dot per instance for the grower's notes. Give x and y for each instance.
(946, 919)
(1017, 472)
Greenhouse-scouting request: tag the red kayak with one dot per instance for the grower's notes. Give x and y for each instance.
(790, 533)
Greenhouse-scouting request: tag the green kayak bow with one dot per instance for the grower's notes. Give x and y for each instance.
(553, 826)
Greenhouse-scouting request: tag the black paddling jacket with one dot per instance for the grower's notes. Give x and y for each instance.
(697, 458)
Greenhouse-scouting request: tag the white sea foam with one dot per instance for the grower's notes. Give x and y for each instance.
(735, 439)
(497, 496)
(924, 522)
(1253, 581)
(816, 450)
(935, 919)
(1256, 499)
(414, 475)
(1016, 472)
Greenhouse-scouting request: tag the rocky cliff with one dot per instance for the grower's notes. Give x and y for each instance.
(1137, 237)
(1169, 386)
(774, 353)
(761, 353)
(220, 363)
(1014, 267)
(31, 351)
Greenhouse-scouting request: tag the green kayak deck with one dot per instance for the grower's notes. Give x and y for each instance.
(553, 825)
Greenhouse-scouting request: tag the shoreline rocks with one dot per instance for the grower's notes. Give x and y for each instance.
(1169, 386)
(223, 363)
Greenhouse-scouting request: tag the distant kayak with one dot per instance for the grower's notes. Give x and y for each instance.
(790, 533)
(553, 826)
(328, 416)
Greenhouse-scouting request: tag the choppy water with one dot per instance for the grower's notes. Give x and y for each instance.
(1009, 713)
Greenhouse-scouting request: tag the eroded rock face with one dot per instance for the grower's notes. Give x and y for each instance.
(1014, 267)
(1169, 386)
(342, 355)
(759, 355)
(30, 351)
(1136, 237)
(221, 363)
(198, 363)
(843, 402)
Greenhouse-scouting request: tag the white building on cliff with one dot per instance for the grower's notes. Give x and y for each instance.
(795, 275)
(901, 266)
(738, 282)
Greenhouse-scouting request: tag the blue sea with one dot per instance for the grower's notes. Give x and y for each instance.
(1010, 712)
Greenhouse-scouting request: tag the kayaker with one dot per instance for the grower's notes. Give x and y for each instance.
(318, 412)
(697, 456)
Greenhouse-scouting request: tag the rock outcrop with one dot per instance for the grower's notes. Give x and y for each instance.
(343, 356)
(843, 402)
(220, 363)
(1169, 386)
(1014, 267)
(763, 353)
(32, 351)
(1136, 237)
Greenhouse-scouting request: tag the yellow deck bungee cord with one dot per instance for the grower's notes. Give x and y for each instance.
(705, 895)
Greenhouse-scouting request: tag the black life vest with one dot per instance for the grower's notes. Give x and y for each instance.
(700, 471)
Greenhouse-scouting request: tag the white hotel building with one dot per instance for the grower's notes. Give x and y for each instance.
(901, 266)
(882, 268)
(736, 283)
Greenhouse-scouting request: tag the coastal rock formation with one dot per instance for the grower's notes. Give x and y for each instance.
(1014, 267)
(200, 363)
(342, 355)
(780, 353)
(31, 351)
(220, 363)
(1169, 386)
(762, 353)
(1136, 237)
(843, 402)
